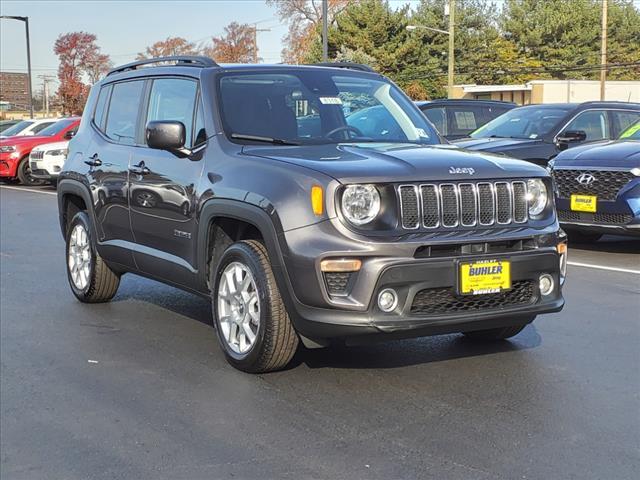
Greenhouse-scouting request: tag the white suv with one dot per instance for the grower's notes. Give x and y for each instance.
(46, 160)
(28, 127)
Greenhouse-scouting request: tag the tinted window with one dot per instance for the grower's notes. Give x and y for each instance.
(593, 122)
(123, 112)
(56, 128)
(438, 117)
(317, 107)
(632, 133)
(173, 99)
(17, 128)
(624, 120)
(464, 120)
(98, 114)
(41, 127)
(523, 122)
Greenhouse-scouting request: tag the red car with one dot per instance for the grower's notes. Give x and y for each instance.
(14, 151)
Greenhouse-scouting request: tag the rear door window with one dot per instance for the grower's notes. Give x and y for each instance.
(41, 126)
(122, 117)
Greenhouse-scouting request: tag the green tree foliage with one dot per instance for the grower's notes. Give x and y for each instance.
(525, 40)
(565, 34)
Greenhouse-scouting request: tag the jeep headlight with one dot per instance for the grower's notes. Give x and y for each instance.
(537, 196)
(7, 149)
(360, 203)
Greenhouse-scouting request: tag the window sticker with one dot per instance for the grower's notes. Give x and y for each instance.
(330, 100)
(422, 133)
(533, 135)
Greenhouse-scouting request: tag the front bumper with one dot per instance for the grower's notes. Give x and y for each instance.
(619, 217)
(46, 168)
(321, 314)
(9, 164)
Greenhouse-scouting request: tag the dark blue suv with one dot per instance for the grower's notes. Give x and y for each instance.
(598, 188)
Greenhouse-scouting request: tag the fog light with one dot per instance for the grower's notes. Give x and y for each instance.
(387, 300)
(546, 284)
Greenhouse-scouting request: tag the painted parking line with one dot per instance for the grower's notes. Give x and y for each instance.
(24, 189)
(603, 267)
(575, 264)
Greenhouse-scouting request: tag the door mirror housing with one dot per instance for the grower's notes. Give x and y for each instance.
(166, 135)
(571, 136)
(70, 134)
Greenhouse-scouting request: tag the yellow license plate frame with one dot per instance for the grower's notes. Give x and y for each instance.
(483, 277)
(584, 203)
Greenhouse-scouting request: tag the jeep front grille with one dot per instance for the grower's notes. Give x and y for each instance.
(37, 155)
(605, 184)
(450, 205)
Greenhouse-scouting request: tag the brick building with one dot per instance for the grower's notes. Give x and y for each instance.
(14, 89)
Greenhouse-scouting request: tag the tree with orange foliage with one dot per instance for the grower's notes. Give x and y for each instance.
(237, 45)
(303, 17)
(79, 55)
(169, 47)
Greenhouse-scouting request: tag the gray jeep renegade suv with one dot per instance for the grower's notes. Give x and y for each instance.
(311, 204)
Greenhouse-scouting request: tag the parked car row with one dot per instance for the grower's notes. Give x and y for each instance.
(32, 159)
(596, 177)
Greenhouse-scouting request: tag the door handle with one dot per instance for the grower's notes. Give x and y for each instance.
(93, 161)
(139, 169)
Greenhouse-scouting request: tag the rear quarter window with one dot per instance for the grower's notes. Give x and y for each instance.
(101, 107)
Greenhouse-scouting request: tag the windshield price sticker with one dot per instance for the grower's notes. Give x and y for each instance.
(330, 100)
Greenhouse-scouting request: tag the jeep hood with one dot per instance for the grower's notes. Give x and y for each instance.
(621, 153)
(496, 144)
(385, 162)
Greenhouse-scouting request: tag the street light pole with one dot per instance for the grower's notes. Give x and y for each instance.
(26, 26)
(603, 51)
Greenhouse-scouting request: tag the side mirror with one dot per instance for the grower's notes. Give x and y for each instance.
(165, 135)
(70, 134)
(571, 136)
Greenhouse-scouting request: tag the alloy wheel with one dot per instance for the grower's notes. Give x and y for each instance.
(79, 257)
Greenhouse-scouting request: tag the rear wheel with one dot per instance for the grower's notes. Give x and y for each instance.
(253, 327)
(578, 236)
(24, 174)
(91, 280)
(500, 333)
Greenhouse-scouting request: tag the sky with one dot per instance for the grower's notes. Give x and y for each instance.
(125, 28)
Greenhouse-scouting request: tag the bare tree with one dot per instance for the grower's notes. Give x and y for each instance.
(170, 46)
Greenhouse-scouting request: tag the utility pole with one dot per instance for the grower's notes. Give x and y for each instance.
(603, 51)
(452, 13)
(45, 91)
(26, 26)
(255, 40)
(325, 30)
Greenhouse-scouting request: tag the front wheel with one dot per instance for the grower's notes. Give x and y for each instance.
(91, 280)
(24, 174)
(252, 324)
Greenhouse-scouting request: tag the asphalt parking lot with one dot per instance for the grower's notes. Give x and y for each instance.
(137, 388)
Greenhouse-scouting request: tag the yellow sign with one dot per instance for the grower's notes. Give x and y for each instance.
(486, 276)
(583, 203)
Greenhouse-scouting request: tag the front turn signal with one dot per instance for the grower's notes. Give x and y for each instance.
(317, 200)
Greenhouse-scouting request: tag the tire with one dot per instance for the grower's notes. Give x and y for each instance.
(24, 174)
(256, 296)
(501, 333)
(97, 283)
(578, 236)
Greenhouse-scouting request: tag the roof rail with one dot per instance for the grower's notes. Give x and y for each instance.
(180, 60)
(350, 65)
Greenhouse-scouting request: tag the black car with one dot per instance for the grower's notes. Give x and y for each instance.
(457, 118)
(538, 133)
(597, 189)
(211, 178)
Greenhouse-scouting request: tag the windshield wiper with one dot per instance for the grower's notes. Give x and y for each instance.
(257, 138)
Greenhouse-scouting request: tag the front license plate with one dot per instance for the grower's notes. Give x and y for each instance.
(584, 203)
(484, 276)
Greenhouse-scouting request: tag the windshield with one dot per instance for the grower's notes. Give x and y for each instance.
(631, 133)
(16, 129)
(56, 128)
(317, 107)
(524, 122)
